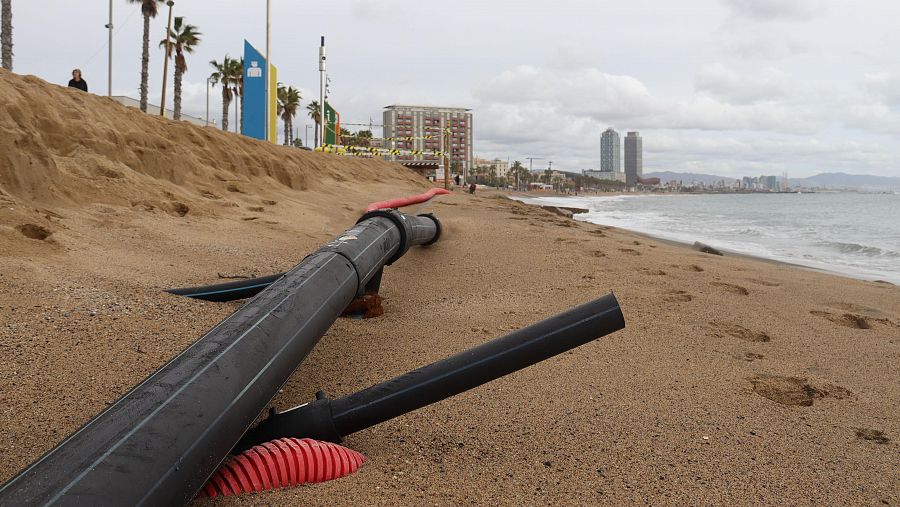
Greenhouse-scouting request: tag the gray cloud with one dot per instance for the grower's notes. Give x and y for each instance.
(767, 10)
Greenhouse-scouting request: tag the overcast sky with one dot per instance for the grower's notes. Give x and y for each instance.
(730, 87)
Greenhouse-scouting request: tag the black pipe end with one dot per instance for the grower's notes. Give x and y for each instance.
(437, 227)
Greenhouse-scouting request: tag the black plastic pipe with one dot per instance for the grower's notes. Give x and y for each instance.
(331, 420)
(158, 444)
(230, 291)
(422, 232)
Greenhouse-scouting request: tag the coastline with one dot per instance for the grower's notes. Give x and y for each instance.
(829, 269)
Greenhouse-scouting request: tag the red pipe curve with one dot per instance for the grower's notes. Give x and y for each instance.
(282, 463)
(406, 201)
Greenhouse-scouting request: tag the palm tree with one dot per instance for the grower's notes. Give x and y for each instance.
(6, 40)
(516, 171)
(364, 138)
(313, 109)
(183, 38)
(224, 75)
(149, 8)
(288, 102)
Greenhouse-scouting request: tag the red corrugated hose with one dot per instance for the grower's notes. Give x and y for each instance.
(406, 201)
(282, 463)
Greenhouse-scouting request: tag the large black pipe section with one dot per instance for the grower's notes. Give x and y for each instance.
(331, 420)
(243, 289)
(158, 444)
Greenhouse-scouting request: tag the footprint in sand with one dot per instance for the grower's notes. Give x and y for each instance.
(740, 332)
(850, 320)
(653, 272)
(677, 296)
(693, 268)
(629, 251)
(872, 435)
(851, 307)
(734, 289)
(178, 208)
(751, 356)
(598, 253)
(794, 391)
(33, 231)
(764, 283)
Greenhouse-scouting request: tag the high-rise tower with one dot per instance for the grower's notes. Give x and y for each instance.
(634, 159)
(610, 150)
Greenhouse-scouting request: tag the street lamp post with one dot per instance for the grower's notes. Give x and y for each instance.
(322, 92)
(269, 90)
(162, 101)
(110, 28)
(208, 84)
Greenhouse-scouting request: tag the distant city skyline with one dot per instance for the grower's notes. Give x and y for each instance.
(721, 86)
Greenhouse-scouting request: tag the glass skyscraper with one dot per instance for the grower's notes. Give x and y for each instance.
(610, 158)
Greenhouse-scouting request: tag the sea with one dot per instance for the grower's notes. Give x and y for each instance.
(852, 234)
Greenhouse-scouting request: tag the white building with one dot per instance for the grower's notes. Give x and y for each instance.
(501, 167)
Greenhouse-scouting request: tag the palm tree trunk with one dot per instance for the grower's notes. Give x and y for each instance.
(317, 133)
(145, 64)
(225, 104)
(6, 40)
(178, 75)
(285, 131)
(241, 99)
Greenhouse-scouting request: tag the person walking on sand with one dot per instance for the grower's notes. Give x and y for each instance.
(472, 189)
(77, 82)
(456, 179)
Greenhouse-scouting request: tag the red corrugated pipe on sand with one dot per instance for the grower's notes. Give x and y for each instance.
(282, 463)
(406, 201)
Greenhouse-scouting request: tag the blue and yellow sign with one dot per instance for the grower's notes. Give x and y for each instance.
(260, 112)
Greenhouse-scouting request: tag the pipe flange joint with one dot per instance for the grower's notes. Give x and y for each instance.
(403, 226)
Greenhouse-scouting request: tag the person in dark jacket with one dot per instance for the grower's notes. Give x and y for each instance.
(77, 82)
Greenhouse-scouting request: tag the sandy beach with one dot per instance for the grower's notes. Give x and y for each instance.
(736, 381)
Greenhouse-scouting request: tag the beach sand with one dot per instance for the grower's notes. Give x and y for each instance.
(736, 381)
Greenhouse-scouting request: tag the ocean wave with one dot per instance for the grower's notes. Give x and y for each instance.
(856, 248)
(751, 232)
